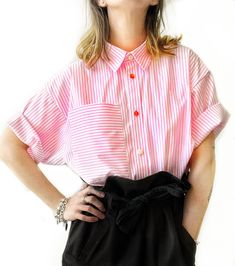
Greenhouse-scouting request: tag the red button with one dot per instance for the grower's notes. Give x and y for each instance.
(136, 113)
(132, 76)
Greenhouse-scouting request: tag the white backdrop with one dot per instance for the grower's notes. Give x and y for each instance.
(38, 38)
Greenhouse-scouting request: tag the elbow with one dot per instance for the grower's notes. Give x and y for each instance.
(202, 179)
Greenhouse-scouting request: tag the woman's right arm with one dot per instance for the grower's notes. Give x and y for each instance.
(14, 154)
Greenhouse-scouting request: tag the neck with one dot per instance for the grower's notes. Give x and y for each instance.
(128, 31)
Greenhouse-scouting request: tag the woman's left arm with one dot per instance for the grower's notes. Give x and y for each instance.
(201, 177)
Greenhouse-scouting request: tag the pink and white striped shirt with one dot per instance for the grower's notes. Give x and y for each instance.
(130, 117)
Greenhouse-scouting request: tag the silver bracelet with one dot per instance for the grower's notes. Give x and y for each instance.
(60, 212)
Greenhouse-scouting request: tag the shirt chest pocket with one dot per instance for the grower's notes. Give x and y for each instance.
(98, 140)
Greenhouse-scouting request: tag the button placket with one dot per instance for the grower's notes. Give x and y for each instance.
(130, 71)
(140, 151)
(130, 57)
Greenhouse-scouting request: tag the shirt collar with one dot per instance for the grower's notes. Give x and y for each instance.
(118, 55)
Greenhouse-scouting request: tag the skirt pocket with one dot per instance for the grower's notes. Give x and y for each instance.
(189, 246)
(188, 236)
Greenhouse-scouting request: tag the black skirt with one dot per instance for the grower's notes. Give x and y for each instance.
(142, 225)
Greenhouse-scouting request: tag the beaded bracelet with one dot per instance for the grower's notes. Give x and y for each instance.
(60, 212)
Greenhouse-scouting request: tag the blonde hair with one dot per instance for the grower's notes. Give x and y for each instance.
(92, 43)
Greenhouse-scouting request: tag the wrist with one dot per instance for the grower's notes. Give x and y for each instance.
(59, 211)
(55, 201)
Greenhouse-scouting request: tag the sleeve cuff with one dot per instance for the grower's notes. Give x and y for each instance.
(25, 132)
(213, 119)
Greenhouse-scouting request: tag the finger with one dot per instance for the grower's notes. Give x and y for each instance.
(92, 210)
(86, 218)
(96, 202)
(91, 190)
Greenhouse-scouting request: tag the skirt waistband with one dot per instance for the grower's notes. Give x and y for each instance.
(130, 197)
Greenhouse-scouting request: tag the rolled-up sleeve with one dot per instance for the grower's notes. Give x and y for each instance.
(207, 112)
(41, 123)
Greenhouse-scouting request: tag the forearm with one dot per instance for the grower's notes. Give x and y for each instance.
(22, 165)
(201, 177)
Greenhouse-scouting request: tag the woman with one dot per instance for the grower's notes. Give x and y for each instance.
(136, 116)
